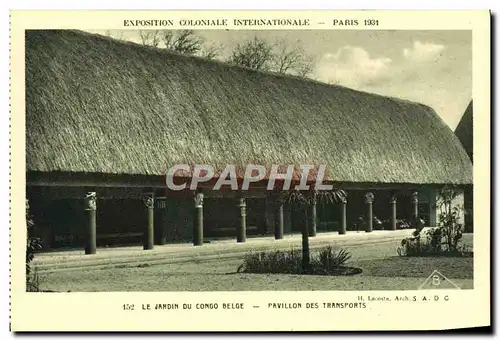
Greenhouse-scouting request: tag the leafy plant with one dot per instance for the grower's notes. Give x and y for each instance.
(449, 217)
(446, 238)
(328, 258)
(272, 262)
(326, 261)
(413, 246)
(303, 199)
(33, 244)
(434, 237)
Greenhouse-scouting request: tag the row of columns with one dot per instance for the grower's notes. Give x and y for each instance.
(90, 208)
(241, 234)
(369, 199)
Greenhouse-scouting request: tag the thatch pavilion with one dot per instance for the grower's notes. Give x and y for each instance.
(105, 119)
(464, 132)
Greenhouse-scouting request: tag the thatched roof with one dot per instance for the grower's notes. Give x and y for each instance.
(94, 104)
(464, 131)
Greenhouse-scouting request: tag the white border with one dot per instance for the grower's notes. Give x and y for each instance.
(195, 4)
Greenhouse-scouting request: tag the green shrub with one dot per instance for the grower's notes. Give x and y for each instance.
(414, 246)
(451, 229)
(443, 240)
(272, 262)
(440, 241)
(33, 244)
(325, 261)
(328, 258)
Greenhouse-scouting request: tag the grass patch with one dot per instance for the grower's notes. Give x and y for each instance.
(382, 270)
(325, 261)
(33, 281)
(419, 267)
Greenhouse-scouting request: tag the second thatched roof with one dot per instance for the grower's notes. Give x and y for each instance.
(464, 131)
(97, 105)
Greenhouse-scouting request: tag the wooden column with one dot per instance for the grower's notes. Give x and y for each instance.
(313, 218)
(198, 221)
(287, 219)
(343, 216)
(432, 207)
(369, 214)
(415, 204)
(162, 236)
(393, 223)
(90, 220)
(241, 235)
(305, 249)
(149, 231)
(279, 221)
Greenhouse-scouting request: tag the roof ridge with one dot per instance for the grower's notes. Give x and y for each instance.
(242, 67)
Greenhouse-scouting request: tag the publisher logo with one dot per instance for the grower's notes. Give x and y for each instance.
(437, 280)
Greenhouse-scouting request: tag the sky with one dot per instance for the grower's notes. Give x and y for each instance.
(429, 67)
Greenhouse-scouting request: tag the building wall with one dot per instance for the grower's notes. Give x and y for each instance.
(270, 214)
(430, 199)
(469, 209)
(436, 208)
(180, 218)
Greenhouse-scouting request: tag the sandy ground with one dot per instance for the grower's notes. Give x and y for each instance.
(213, 268)
(216, 250)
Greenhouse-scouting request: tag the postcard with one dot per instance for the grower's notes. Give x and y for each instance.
(250, 170)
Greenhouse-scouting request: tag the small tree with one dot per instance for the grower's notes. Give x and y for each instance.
(279, 56)
(291, 59)
(303, 199)
(150, 37)
(254, 54)
(449, 217)
(182, 41)
(445, 238)
(210, 51)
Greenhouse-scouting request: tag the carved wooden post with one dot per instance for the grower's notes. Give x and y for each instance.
(90, 210)
(415, 204)
(432, 207)
(313, 217)
(279, 221)
(149, 232)
(164, 221)
(343, 216)
(393, 224)
(198, 222)
(242, 227)
(369, 201)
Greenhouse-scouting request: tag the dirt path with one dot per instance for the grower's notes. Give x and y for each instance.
(217, 273)
(185, 253)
